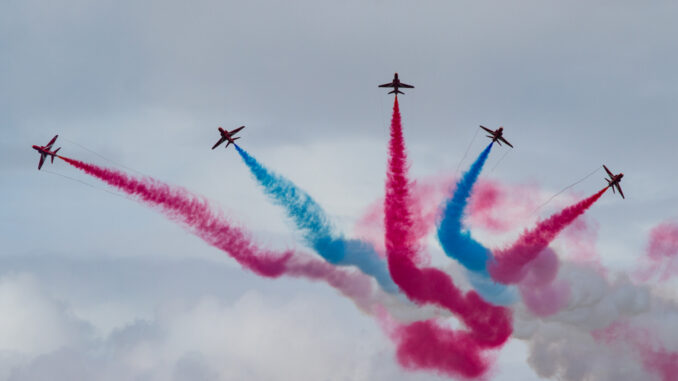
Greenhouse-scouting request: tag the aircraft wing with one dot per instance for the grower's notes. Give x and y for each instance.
(42, 160)
(219, 142)
(487, 129)
(49, 145)
(506, 141)
(390, 84)
(233, 132)
(608, 171)
(406, 86)
(619, 189)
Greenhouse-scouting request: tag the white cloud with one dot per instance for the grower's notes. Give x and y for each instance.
(32, 322)
(254, 338)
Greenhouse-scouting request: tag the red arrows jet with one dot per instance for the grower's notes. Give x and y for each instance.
(614, 181)
(395, 84)
(44, 151)
(228, 135)
(497, 135)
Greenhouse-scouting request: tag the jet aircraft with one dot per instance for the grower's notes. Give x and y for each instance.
(228, 135)
(497, 135)
(45, 151)
(614, 181)
(395, 84)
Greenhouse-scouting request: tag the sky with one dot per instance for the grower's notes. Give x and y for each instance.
(96, 286)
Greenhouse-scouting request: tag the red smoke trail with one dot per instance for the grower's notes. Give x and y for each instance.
(194, 213)
(426, 196)
(425, 344)
(508, 265)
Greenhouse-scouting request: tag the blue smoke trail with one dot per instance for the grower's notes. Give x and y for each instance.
(316, 229)
(458, 243)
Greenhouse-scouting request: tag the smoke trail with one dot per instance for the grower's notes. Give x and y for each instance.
(426, 344)
(427, 195)
(196, 214)
(458, 243)
(565, 303)
(318, 233)
(193, 212)
(489, 326)
(492, 207)
(508, 265)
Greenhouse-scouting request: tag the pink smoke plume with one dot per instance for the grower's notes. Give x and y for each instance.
(196, 214)
(493, 206)
(489, 326)
(654, 356)
(426, 344)
(540, 291)
(496, 207)
(427, 195)
(661, 260)
(509, 265)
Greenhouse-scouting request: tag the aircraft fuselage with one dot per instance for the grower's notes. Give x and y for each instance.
(42, 150)
(498, 134)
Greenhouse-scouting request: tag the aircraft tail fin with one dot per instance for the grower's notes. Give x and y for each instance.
(395, 92)
(609, 184)
(55, 153)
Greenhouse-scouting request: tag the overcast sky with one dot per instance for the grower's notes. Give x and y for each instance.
(87, 277)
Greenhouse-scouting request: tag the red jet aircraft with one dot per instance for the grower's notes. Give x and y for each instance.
(44, 151)
(614, 181)
(497, 135)
(395, 84)
(228, 135)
